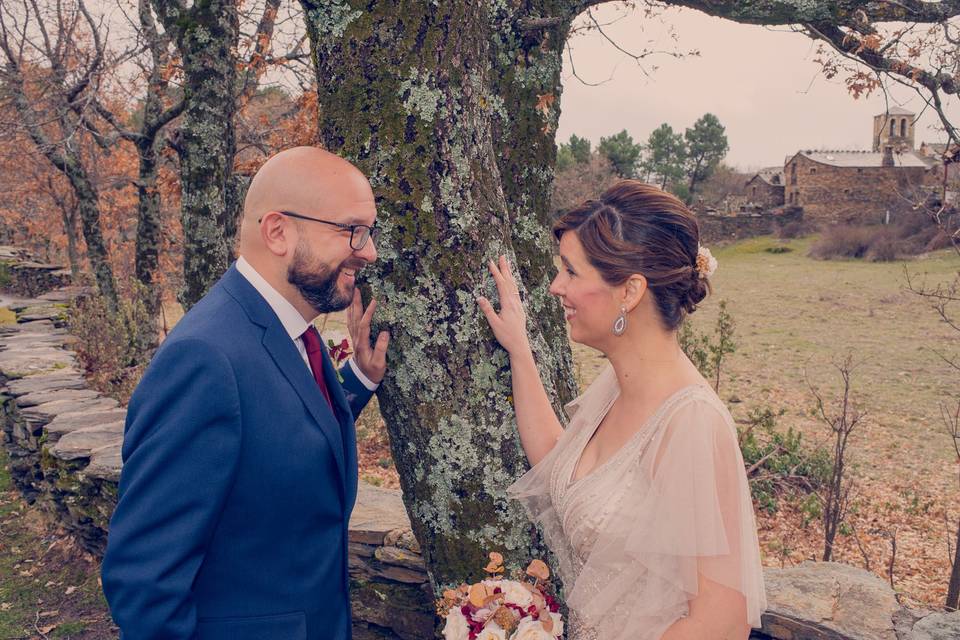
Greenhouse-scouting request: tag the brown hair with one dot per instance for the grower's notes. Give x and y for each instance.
(637, 228)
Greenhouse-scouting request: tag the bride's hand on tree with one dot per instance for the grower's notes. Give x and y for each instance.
(510, 324)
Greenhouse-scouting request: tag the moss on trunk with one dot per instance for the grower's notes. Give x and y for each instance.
(413, 92)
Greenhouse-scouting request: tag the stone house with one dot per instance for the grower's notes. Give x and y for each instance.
(766, 188)
(846, 186)
(855, 186)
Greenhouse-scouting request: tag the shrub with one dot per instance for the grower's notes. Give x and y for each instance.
(913, 234)
(778, 461)
(843, 241)
(110, 344)
(795, 229)
(884, 249)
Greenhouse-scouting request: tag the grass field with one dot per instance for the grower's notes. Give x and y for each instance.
(794, 317)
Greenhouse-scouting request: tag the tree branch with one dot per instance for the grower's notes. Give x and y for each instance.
(849, 13)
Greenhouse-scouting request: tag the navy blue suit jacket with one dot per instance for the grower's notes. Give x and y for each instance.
(237, 485)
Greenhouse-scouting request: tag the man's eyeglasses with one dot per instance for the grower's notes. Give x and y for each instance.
(359, 233)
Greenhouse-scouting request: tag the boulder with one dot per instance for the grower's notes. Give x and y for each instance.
(937, 626)
(828, 601)
(105, 463)
(17, 363)
(43, 413)
(377, 513)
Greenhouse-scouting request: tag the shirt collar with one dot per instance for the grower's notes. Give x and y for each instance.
(293, 323)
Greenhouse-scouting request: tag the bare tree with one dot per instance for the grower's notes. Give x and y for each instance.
(222, 67)
(943, 298)
(835, 497)
(52, 65)
(156, 70)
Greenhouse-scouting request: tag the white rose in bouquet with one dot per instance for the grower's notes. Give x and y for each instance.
(456, 627)
(513, 591)
(531, 629)
(492, 631)
(557, 624)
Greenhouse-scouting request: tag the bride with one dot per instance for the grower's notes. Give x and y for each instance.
(643, 498)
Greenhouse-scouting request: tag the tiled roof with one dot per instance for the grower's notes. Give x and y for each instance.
(897, 111)
(840, 158)
(768, 174)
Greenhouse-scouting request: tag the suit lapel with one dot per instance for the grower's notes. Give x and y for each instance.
(288, 359)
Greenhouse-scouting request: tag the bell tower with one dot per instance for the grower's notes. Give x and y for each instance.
(894, 128)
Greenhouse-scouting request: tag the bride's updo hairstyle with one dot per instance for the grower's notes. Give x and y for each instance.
(638, 228)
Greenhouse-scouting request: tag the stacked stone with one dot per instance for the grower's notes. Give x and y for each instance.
(27, 277)
(389, 588)
(63, 439)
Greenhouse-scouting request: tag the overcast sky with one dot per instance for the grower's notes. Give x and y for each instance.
(762, 82)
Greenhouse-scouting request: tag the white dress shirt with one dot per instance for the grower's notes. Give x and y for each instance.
(290, 318)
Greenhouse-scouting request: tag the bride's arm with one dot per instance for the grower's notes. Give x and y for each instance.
(717, 612)
(537, 423)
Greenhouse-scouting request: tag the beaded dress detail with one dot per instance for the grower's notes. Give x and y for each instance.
(632, 535)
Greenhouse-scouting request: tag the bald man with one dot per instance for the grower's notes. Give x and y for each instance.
(240, 465)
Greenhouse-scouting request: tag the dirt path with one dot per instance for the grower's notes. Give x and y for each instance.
(49, 587)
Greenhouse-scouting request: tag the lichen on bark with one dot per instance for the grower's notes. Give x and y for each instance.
(413, 94)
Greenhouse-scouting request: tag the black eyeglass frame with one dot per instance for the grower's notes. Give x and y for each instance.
(373, 232)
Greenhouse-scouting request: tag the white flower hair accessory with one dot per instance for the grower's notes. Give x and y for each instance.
(706, 263)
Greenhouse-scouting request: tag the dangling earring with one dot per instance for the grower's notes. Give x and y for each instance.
(621, 324)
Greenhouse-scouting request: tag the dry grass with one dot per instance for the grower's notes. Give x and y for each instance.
(794, 316)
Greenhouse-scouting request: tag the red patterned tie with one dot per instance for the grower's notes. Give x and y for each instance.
(311, 338)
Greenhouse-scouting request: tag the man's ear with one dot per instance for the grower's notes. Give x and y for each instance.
(634, 290)
(278, 235)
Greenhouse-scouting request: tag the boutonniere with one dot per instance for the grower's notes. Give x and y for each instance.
(339, 353)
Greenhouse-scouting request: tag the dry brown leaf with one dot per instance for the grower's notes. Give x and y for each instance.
(478, 594)
(538, 569)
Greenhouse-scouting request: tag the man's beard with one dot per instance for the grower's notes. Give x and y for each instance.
(317, 283)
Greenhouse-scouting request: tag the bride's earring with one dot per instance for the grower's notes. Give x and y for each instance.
(621, 324)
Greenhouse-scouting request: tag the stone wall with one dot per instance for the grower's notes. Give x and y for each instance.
(856, 195)
(719, 228)
(21, 275)
(64, 443)
(64, 439)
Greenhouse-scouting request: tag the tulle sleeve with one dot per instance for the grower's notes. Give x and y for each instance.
(688, 512)
(533, 489)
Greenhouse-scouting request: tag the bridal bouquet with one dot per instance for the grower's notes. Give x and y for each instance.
(499, 609)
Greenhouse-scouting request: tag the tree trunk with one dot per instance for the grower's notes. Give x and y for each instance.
(70, 228)
(68, 214)
(206, 36)
(233, 198)
(147, 259)
(437, 104)
(69, 162)
(88, 202)
(953, 591)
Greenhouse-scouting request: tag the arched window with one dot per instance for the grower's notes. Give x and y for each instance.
(903, 128)
(893, 130)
